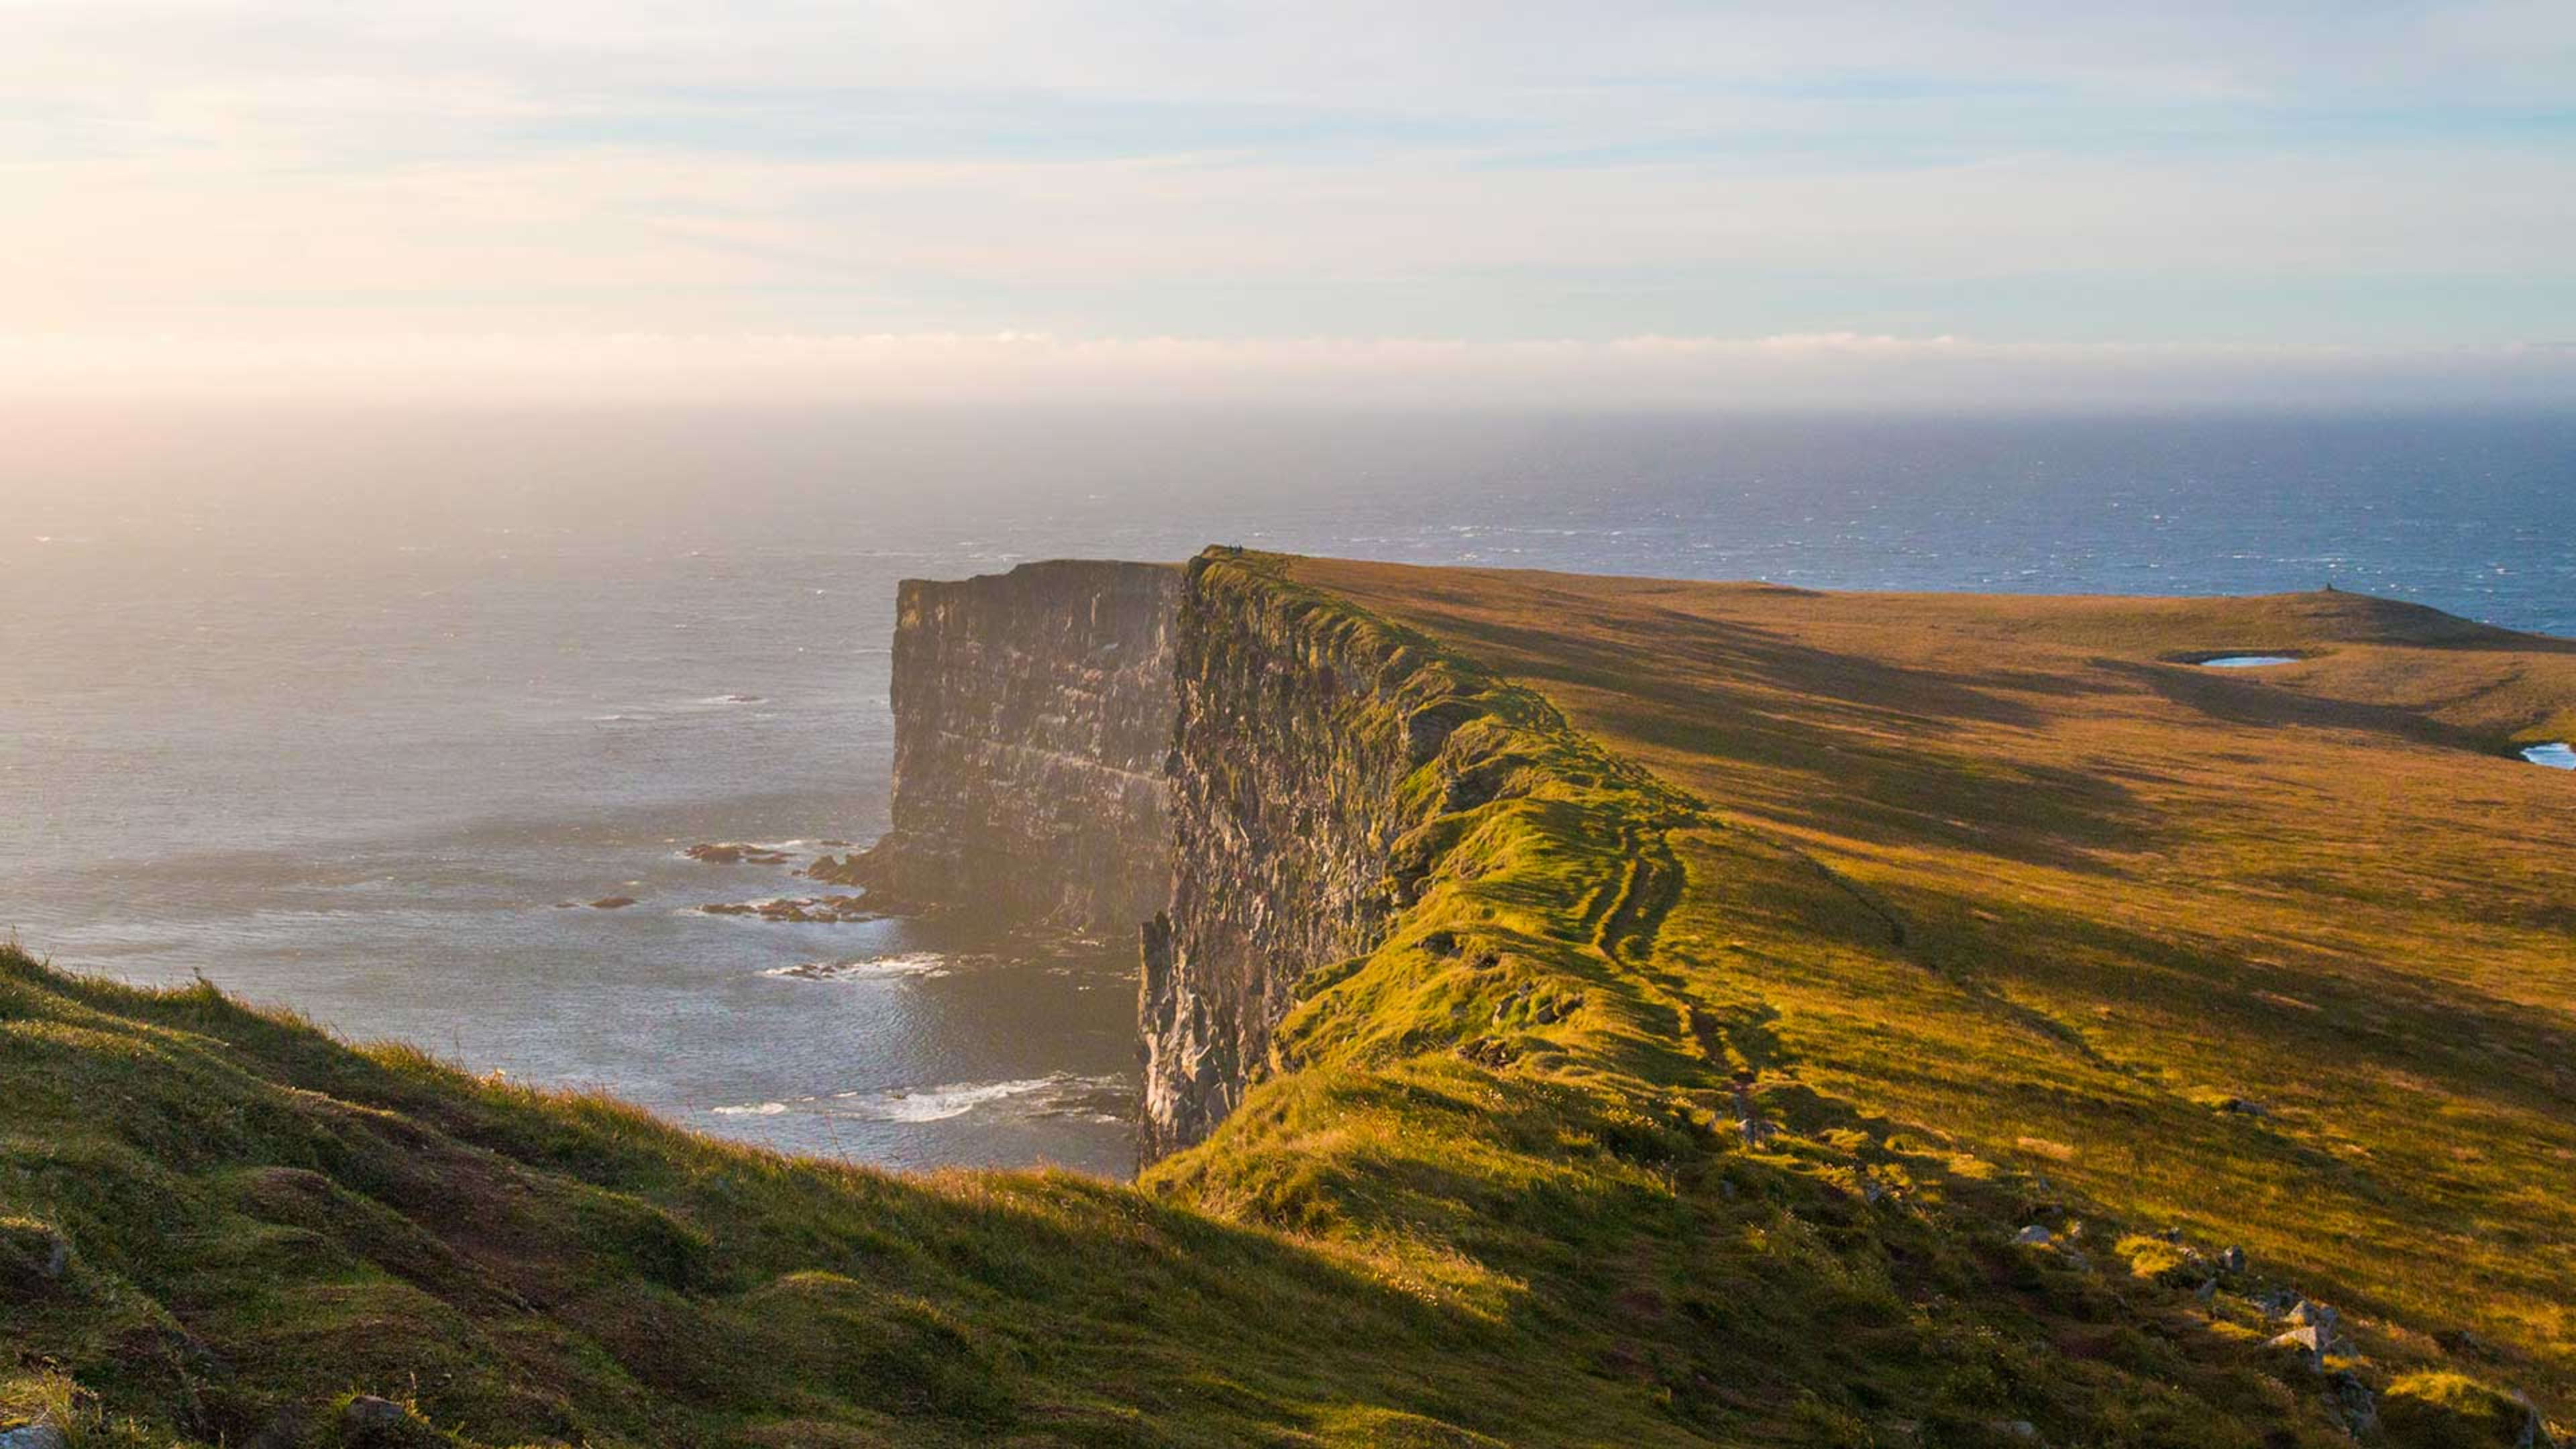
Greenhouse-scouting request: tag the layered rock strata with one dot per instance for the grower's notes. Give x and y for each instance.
(1298, 768)
(1243, 766)
(1033, 713)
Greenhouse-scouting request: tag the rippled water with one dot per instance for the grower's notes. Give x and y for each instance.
(337, 710)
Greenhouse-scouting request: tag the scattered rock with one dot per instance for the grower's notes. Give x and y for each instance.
(34, 1436)
(2232, 1261)
(2352, 1403)
(2304, 1312)
(368, 1414)
(733, 853)
(2304, 1338)
(824, 910)
(1540, 1007)
(2308, 1342)
(2035, 1236)
(2015, 1429)
(612, 903)
(2244, 1107)
(837, 870)
(1756, 1132)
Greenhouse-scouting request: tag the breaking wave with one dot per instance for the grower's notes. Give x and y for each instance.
(1059, 1094)
(1056, 1096)
(871, 968)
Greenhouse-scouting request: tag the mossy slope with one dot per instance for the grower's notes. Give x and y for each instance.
(1493, 1189)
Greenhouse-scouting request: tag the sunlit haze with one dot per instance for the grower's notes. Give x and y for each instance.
(1624, 203)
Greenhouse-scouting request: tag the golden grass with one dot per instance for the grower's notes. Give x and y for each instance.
(1988, 917)
(2286, 958)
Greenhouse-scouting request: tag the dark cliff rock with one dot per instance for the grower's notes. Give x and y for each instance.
(1308, 753)
(1033, 713)
(1250, 772)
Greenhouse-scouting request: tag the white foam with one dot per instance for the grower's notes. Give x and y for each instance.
(756, 1109)
(1059, 1094)
(2558, 756)
(875, 968)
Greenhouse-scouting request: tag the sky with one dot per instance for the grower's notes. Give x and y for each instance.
(1660, 203)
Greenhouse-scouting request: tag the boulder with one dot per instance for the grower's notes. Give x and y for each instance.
(2307, 1342)
(34, 1258)
(2035, 1236)
(38, 1435)
(2352, 1403)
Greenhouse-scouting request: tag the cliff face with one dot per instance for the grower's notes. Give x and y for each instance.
(1297, 732)
(1033, 711)
(1217, 753)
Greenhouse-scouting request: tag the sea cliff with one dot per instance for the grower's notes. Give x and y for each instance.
(1295, 807)
(1210, 756)
(1033, 711)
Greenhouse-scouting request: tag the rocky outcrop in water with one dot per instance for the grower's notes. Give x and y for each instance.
(1033, 713)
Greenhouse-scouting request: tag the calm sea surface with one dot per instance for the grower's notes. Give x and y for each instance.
(336, 709)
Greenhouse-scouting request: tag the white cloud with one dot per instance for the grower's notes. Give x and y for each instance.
(248, 168)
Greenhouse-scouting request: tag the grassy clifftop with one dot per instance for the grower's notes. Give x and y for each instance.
(1647, 1124)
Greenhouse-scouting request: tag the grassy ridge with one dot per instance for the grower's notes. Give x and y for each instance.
(1495, 1190)
(2287, 960)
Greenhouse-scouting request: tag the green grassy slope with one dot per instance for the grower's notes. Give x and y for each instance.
(1495, 1191)
(2287, 958)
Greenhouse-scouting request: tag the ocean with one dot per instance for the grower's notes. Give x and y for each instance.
(341, 709)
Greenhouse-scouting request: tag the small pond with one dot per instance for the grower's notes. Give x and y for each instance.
(2557, 757)
(2248, 661)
